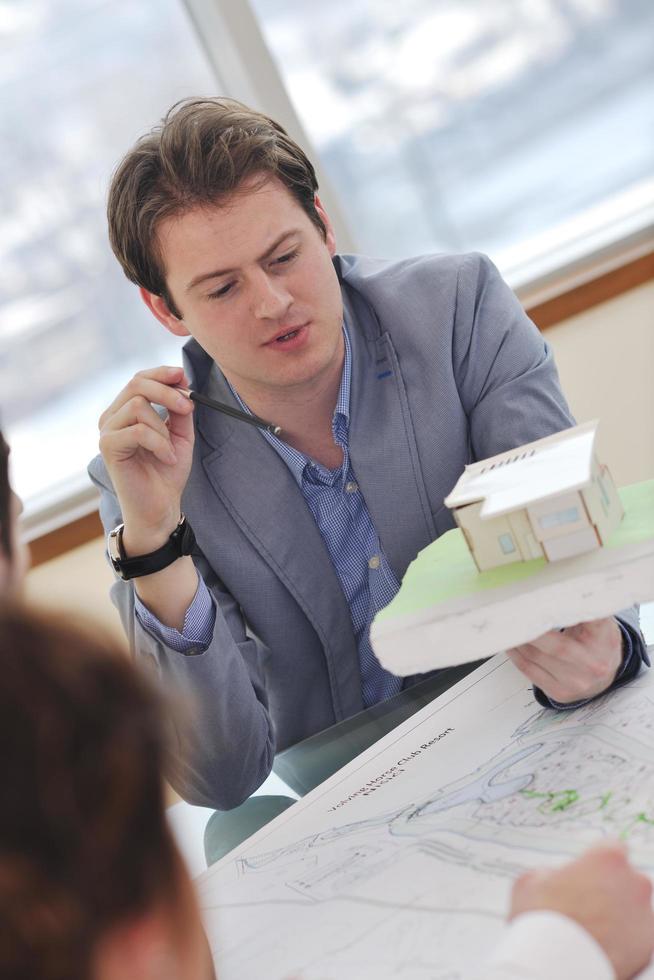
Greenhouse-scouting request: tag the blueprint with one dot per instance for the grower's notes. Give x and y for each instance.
(400, 865)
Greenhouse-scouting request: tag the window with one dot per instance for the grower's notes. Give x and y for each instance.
(81, 79)
(516, 128)
(442, 125)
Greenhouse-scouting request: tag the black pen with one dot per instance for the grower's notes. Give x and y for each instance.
(234, 413)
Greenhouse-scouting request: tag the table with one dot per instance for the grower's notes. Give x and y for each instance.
(305, 765)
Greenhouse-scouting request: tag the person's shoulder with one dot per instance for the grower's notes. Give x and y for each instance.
(436, 271)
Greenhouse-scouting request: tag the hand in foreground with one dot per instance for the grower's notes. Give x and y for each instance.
(605, 895)
(149, 458)
(578, 663)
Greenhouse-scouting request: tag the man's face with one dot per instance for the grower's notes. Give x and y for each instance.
(255, 285)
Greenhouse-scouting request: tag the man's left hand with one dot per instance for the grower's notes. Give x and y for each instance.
(572, 664)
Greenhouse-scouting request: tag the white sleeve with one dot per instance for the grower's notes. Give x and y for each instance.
(543, 945)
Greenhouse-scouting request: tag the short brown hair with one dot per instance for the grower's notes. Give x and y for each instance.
(84, 843)
(203, 151)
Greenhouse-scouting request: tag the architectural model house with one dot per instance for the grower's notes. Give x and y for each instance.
(551, 498)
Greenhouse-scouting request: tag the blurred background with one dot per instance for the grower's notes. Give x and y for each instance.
(521, 128)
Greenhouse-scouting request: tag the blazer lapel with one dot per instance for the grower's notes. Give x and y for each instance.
(266, 503)
(382, 441)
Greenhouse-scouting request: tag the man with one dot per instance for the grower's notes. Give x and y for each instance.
(385, 378)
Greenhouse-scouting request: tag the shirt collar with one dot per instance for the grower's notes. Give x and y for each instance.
(295, 460)
(343, 400)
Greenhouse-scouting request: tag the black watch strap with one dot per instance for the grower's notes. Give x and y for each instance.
(181, 542)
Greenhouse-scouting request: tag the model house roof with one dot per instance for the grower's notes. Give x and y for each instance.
(558, 464)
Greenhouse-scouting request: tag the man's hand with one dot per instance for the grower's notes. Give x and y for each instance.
(149, 461)
(605, 895)
(574, 664)
(148, 458)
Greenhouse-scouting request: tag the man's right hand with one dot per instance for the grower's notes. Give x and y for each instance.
(149, 461)
(149, 458)
(605, 895)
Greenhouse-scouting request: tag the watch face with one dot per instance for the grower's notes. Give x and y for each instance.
(114, 547)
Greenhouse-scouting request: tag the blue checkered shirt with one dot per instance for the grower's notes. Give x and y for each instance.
(342, 517)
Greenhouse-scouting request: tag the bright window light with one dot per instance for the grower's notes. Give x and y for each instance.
(517, 128)
(80, 81)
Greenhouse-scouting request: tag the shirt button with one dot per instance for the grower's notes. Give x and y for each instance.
(374, 562)
(351, 486)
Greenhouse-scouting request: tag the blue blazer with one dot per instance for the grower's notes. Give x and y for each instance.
(447, 368)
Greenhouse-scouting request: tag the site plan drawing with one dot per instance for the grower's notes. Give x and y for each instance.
(401, 864)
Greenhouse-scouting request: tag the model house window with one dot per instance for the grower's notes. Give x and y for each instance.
(558, 517)
(604, 495)
(506, 544)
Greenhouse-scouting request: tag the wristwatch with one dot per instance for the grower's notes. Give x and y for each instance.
(181, 542)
